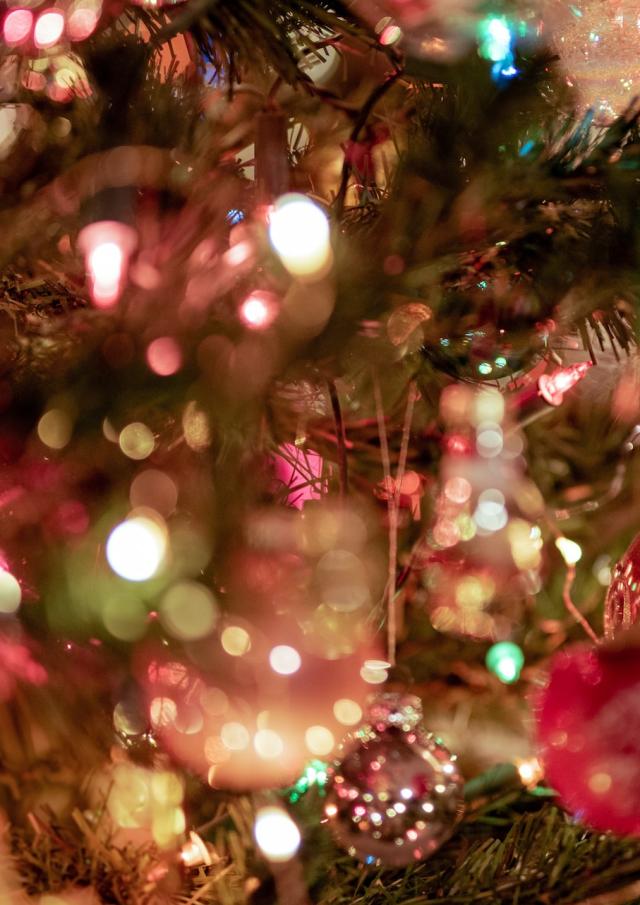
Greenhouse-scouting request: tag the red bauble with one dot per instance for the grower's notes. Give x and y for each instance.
(588, 724)
(622, 605)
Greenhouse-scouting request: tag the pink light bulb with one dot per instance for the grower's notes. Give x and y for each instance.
(553, 386)
(49, 28)
(259, 310)
(82, 23)
(17, 26)
(107, 246)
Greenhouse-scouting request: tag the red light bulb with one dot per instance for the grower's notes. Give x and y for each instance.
(552, 387)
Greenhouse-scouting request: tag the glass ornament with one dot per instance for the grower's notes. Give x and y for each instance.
(622, 606)
(395, 793)
(598, 44)
(588, 732)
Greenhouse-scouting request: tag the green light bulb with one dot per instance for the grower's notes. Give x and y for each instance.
(505, 660)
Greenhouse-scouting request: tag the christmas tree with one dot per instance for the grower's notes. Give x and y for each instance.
(320, 406)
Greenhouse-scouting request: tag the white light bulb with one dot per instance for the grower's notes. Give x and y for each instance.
(299, 232)
(277, 835)
(136, 548)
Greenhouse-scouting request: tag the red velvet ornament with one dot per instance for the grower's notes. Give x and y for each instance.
(622, 605)
(588, 726)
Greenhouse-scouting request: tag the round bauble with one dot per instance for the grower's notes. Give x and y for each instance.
(395, 792)
(588, 729)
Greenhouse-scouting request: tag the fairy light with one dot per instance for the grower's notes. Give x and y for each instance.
(276, 834)
(235, 641)
(107, 246)
(319, 740)
(285, 660)
(259, 310)
(299, 232)
(570, 551)
(505, 660)
(530, 771)
(268, 744)
(194, 852)
(552, 387)
(48, 29)
(136, 548)
(495, 39)
(10, 593)
(17, 26)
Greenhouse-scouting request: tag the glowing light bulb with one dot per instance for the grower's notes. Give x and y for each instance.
(259, 310)
(285, 660)
(83, 19)
(505, 660)
(136, 548)
(570, 551)
(49, 28)
(299, 232)
(10, 593)
(276, 834)
(552, 387)
(107, 246)
(495, 39)
(17, 26)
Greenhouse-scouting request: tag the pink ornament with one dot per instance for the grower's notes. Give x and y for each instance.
(588, 728)
(300, 471)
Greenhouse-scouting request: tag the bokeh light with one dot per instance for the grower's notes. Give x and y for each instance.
(276, 834)
(235, 640)
(505, 660)
(154, 489)
(235, 736)
(17, 26)
(319, 740)
(285, 660)
(259, 310)
(188, 611)
(347, 712)
(55, 428)
(136, 548)
(82, 19)
(299, 232)
(10, 593)
(48, 29)
(268, 744)
(107, 246)
(136, 441)
(164, 356)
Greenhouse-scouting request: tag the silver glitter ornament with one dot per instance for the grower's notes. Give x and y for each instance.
(395, 793)
(598, 43)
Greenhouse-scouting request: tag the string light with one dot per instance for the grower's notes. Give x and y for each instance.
(259, 310)
(49, 28)
(299, 232)
(285, 660)
(17, 26)
(505, 660)
(107, 246)
(276, 834)
(552, 387)
(570, 551)
(136, 548)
